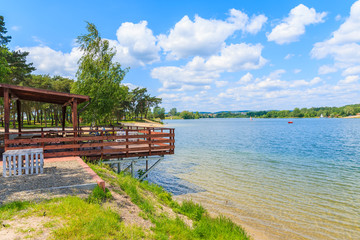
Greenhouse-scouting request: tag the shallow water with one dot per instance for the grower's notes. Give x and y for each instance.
(288, 181)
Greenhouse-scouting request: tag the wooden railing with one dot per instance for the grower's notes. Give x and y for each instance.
(108, 143)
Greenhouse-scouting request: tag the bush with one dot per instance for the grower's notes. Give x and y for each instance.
(98, 195)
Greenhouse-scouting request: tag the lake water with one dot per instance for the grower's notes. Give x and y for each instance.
(280, 180)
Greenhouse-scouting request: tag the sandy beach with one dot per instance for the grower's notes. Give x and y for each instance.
(355, 116)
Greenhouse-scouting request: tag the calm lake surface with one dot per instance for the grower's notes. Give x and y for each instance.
(286, 181)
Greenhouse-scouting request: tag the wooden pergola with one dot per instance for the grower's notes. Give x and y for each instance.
(105, 143)
(19, 93)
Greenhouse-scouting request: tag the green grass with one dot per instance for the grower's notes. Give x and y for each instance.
(149, 197)
(9, 210)
(99, 196)
(77, 218)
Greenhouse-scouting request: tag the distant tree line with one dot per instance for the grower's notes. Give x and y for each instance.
(332, 112)
(98, 76)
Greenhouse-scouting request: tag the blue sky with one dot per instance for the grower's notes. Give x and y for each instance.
(206, 55)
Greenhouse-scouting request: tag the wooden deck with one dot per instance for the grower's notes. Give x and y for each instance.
(94, 144)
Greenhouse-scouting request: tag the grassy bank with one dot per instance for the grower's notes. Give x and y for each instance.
(98, 217)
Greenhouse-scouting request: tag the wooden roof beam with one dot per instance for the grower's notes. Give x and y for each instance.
(13, 95)
(68, 103)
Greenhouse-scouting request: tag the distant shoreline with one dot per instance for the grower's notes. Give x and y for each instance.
(355, 116)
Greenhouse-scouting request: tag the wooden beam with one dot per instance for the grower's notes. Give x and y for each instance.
(68, 103)
(75, 120)
(74, 116)
(41, 95)
(6, 112)
(13, 95)
(18, 108)
(63, 117)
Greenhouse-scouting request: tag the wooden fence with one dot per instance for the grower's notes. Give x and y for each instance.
(105, 143)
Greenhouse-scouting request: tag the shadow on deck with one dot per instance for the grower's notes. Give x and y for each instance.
(62, 176)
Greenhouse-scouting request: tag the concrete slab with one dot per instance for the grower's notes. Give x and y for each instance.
(62, 176)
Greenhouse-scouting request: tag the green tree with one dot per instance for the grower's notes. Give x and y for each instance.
(187, 115)
(98, 76)
(349, 110)
(159, 112)
(19, 69)
(173, 112)
(4, 52)
(151, 102)
(13, 66)
(197, 115)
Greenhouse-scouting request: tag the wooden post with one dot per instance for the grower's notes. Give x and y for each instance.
(74, 120)
(63, 118)
(119, 167)
(127, 143)
(74, 117)
(6, 114)
(149, 139)
(18, 108)
(42, 137)
(132, 169)
(102, 146)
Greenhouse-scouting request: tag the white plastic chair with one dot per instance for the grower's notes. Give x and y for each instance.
(120, 133)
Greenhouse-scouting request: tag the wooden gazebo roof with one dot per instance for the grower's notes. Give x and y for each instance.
(8, 91)
(41, 95)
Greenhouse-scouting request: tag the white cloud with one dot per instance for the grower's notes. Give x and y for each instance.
(200, 73)
(256, 24)
(183, 78)
(49, 61)
(338, 17)
(268, 87)
(315, 80)
(296, 71)
(325, 69)
(130, 86)
(293, 26)
(220, 84)
(349, 79)
(343, 46)
(276, 74)
(271, 92)
(287, 57)
(172, 96)
(205, 37)
(15, 28)
(303, 83)
(236, 57)
(351, 70)
(246, 78)
(135, 44)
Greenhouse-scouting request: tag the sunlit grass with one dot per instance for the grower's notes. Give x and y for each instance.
(204, 226)
(76, 218)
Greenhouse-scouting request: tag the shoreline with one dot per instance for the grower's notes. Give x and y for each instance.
(354, 116)
(256, 234)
